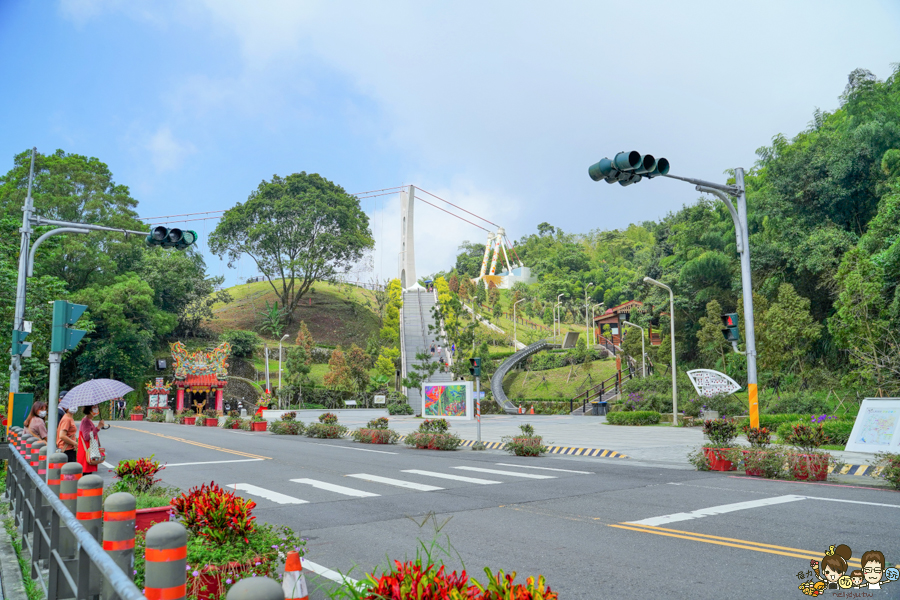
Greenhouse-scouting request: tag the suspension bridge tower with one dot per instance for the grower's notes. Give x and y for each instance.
(407, 239)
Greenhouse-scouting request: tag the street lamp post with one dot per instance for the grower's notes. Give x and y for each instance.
(643, 352)
(593, 325)
(515, 324)
(672, 342)
(559, 315)
(286, 336)
(586, 326)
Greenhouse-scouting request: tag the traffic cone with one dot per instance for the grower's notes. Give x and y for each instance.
(521, 410)
(294, 584)
(531, 412)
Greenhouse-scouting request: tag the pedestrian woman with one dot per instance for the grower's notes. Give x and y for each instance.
(34, 423)
(86, 433)
(67, 434)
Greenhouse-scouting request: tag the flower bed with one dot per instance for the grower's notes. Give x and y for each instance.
(527, 444)
(636, 417)
(327, 428)
(376, 432)
(433, 441)
(286, 427)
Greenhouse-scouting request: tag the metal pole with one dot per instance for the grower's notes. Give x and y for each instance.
(747, 288)
(15, 365)
(672, 341)
(515, 331)
(586, 326)
(52, 415)
(268, 389)
(478, 445)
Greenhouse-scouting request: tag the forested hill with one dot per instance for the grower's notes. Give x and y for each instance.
(824, 209)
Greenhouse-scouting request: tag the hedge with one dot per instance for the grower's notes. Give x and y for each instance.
(771, 421)
(837, 430)
(634, 417)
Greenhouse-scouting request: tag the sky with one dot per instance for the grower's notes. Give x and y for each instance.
(499, 107)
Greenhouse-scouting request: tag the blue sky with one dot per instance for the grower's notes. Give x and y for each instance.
(499, 106)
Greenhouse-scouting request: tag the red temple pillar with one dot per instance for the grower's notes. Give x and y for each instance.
(179, 399)
(219, 405)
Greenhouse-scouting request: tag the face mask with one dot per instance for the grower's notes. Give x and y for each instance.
(73, 410)
(95, 412)
(42, 413)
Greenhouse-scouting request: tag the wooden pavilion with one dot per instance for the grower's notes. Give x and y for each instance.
(613, 317)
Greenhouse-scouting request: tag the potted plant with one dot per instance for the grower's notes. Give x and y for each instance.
(189, 419)
(225, 542)
(179, 417)
(326, 428)
(526, 444)
(257, 423)
(376, 431)
(233, 421)
(433, 434)
(809, 463)
(138, 477)
(137, 413)
(288, 425)
(721, 434)
(211, 417)
(755, 458)
(156, 416)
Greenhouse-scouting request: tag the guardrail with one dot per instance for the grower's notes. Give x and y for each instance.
(610, 384)
(76, 564)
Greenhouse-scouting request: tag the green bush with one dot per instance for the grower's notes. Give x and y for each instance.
(771, 421)
(434, 426)
(721, 433)
(636, 417)
(433, 441)
(837, 430)
(401, 408)
(286, 427)
(243, 343)
(805, 437)
(156, 416)
(796, 403)
(375, 436)
(325, 431)
(891, 471)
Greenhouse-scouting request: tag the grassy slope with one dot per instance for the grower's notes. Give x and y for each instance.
(517, 386)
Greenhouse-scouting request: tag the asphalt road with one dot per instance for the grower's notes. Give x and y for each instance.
(595, 528)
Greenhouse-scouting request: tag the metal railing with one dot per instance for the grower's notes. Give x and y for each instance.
(611, 384)
(43, 521)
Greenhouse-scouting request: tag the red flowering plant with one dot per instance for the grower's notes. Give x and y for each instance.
(214, 514)
(139, 474)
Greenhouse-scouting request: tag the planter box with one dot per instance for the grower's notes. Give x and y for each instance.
(753, 472)
(212, 421)
(259, 425)
(235, 425)
(189, 420)
(718, 462)
(210, 584)
(146, 517)
(137, 417)
(811, 467)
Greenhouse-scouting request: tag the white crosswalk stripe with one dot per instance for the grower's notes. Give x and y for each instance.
(397, 482)
(510, 473)
(545, 468)
(338, 489)
(264, 493)
(449, 476)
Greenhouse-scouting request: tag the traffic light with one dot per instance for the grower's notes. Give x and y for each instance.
(63, 337)
(628, 168)
(171, 238)
(475, 369)
(730, 327)
(19, 345)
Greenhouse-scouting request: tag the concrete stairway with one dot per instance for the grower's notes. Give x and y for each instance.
(415, 337)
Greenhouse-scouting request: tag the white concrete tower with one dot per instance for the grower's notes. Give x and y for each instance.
(407, 257)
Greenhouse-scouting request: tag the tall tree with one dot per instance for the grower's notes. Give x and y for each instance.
(298, 230)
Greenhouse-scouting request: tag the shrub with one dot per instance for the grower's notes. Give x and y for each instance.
(806, 438)
(286, 427)
(328, 418)
(639, 417)
(215, 514)
(891, 470)
(210, 413)
(375, 436)
(692, 407)
(526, 444)
(433, 441)
(434, 426)
(200, 421)
(635, 402)
(759, 437)
(400, 408)
(231, 420)
(727, 405)
(771, 421)
(289, 416)
(837, 430)
(379, 423)
(139, 473)
(721, 433)
(179, 417)
(325, 431)
(243, 343)
(156, 416)
(795, 403)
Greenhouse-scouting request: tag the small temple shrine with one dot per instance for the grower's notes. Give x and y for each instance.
(200, 377)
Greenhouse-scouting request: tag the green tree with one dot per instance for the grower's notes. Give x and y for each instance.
(480, 292)
(711, 344)
(305, 340)
(358, 363)
(243, 343)
(296, 366)
(298, 230)
(338, 375)
(789, 332)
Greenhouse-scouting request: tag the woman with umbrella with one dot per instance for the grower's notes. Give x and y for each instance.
(90, 395)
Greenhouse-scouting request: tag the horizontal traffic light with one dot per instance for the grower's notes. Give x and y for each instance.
(730, 327)
(171, 238)
(628, 167)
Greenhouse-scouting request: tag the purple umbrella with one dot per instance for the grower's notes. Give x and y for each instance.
(94, 392)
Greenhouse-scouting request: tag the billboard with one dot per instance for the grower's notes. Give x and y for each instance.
(451, 400)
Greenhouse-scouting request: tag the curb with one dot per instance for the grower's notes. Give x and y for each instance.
(565, 450)
(12, 586)
(858, 470)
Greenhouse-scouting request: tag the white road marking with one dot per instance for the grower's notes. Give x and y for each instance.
(397, 482)
(107, 465)
(510, 473)
(349, 448)
(853, 501)
(327, 573)
(339, 489)
(213, 462)
(264, 493)
(546, 469)
(449, 476)
(716, 510)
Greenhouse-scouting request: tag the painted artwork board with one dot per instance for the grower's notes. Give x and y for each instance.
(449, 400)
(877, 426)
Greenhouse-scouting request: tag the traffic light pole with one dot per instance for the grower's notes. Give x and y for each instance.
(478, 445)
(52, 412)
(742, 236)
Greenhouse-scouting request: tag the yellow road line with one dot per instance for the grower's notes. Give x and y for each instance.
(202, 445)
(653, 529)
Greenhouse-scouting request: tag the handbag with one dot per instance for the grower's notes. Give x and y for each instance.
(94, 450)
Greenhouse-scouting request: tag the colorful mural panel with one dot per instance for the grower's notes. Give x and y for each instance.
(447, 400)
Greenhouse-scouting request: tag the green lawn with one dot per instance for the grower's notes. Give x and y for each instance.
(552, 382)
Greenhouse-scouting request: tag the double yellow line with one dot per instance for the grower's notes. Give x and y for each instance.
(730, 542)
(193, 443)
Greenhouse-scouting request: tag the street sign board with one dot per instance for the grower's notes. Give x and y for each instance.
(877, 426)
(710, 383)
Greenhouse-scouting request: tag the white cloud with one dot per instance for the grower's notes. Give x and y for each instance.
(166, 152)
